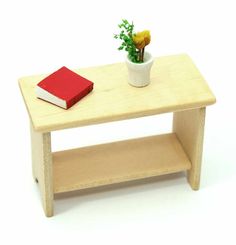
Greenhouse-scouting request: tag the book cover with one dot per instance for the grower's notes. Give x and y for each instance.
(63, 88)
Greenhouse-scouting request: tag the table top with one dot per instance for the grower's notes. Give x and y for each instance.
(176, 84)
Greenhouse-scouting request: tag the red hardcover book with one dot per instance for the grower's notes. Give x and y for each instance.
(63, 88)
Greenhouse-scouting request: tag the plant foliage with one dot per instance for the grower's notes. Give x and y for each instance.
(133, 43)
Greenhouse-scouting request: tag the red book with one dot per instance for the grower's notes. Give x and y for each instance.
(63, 88)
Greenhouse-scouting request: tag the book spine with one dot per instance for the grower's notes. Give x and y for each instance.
(78, 97)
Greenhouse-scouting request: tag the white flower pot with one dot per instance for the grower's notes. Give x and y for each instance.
(139, 73)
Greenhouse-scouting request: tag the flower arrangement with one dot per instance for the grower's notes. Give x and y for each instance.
(133, 43)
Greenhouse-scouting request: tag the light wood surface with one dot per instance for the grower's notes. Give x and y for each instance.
(42, 168)
(176, 84)
(118, 162)
(189, 128)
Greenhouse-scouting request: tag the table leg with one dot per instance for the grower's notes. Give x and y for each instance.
(42, 167)
(189, 128)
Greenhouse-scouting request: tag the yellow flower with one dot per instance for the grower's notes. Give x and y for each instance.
(142, 39)
(139, 41)
(147, 37)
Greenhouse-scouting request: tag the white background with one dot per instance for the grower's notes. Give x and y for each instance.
(39, 37)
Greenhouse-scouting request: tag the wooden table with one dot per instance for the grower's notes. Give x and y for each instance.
(176, 86)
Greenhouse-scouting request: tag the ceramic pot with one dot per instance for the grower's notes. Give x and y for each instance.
(139, 73)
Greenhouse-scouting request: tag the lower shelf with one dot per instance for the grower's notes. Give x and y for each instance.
(118, 162)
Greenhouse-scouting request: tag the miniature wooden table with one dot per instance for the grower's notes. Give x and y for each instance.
(176, 86)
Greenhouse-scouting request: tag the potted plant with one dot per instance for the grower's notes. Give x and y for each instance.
(139, 62)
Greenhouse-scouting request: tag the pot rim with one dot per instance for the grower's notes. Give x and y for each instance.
(149, 60)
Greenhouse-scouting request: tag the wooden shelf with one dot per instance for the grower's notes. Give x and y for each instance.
(176, 85)
(118, 162)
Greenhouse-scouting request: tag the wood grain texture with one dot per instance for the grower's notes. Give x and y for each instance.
(176, 84)
(189, 128)
(42, 168)
(118, 162)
